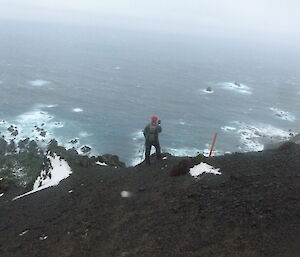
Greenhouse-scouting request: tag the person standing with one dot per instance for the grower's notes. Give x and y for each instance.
(151, 132)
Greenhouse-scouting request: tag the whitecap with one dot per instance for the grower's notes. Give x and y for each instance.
(139, 147)
(51, 105)
(253, 137)
(85, 134)
(39, 82)
(36, 124)
(207, 91)
(284, 115)
(77, 110)
(185, 151)
(237, 87)
(228, 128)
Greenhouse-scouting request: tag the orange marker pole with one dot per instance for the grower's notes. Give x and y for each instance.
(213, 144)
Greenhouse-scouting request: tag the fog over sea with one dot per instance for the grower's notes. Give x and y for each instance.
(100, 86)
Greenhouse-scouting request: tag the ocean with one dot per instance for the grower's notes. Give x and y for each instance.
(100, 86)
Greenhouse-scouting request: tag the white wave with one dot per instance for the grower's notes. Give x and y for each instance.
(139, 152)
(36, 124)
(228, 128)
(207, 91)
(237, 87)
(59, 170)
(85, 134)
(77, 110)
(253, 137)
(284, 115)
(215, 152)
(51, 105)
(39, 82)
(183, 151)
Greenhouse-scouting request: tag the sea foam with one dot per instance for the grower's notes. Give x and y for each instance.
(39, 82)
(237, 87)
(284, 115)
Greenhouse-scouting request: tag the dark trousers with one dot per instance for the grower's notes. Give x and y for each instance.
(148, 146)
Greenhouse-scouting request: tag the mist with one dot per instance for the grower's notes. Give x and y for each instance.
(259, 20)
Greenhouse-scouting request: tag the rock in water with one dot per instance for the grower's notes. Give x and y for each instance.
(85, 149)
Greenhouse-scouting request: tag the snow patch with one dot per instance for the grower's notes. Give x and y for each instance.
(203, 168)
(101, 163)
(24, 232)
(59, 170)
(1, 194)
(44, 237)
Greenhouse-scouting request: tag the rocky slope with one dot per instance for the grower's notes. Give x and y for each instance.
(251, 210)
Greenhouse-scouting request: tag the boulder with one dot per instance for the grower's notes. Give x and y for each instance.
(112, 160)
(85, 149)
(182, 167)
(3, 146)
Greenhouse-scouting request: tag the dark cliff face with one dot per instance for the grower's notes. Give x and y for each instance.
(22, 162)
(252, 209)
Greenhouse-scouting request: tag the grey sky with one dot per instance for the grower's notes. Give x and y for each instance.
(266, 18)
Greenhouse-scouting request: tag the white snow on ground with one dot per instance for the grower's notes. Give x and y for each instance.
(77, 110)
(284, 115)
(44, 237)
(1, 194)
(237, 87)
(59, 170)
(203, 168)
(24, 232)
(38, 82)
(101, 163)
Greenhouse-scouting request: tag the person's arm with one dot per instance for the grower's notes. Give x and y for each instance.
(159, 129)
(145, 131)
